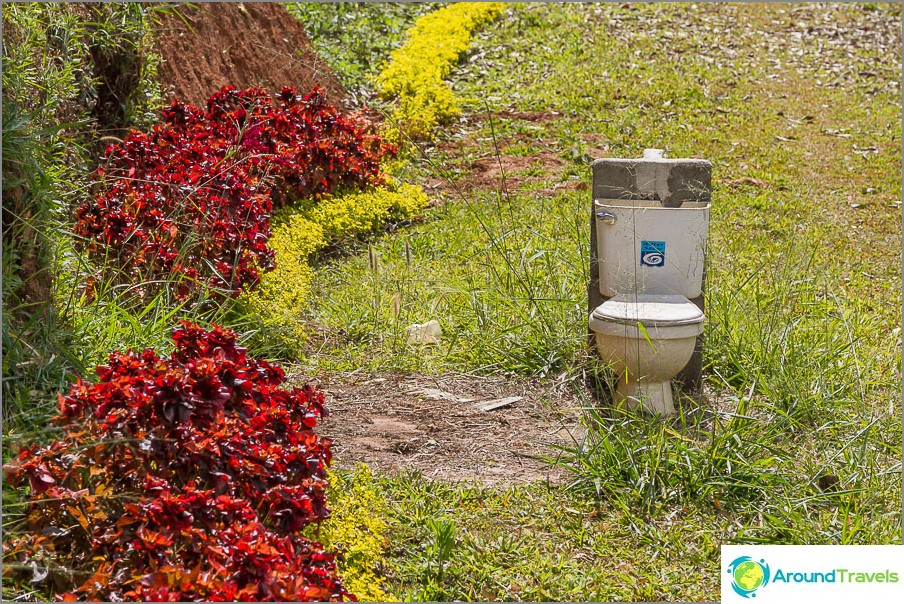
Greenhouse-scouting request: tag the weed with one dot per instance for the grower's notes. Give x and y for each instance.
(440, 549)
(788, 335)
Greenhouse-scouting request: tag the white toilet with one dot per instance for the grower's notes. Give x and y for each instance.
(650, 263)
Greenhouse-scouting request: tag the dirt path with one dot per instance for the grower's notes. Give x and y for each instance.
(457, 427)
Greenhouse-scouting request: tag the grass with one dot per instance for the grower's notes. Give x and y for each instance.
(799, 441)
(496, 287)
(506, 273)
(356, 38)
(529, 543)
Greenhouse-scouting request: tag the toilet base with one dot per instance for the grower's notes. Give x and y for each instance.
(653, 397)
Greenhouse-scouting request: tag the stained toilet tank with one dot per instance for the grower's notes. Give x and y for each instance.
(646, 248)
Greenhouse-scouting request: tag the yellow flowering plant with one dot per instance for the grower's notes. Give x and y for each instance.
(416, 71)
(278, 303)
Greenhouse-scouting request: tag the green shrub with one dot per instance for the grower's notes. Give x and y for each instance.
(416, 72)
(56, 93)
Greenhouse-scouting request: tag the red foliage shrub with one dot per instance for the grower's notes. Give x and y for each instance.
(193, 198)
(185, 477)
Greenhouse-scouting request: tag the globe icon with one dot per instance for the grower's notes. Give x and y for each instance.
(748, 575)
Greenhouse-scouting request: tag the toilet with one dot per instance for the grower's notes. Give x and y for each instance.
(650, 266)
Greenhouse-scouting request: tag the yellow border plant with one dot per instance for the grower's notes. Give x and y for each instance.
(357, 531)
(416, 71)
(279, 301)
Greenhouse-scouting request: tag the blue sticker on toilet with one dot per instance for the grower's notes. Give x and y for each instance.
(652, 253)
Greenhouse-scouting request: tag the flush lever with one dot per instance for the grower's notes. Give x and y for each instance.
(605, 217)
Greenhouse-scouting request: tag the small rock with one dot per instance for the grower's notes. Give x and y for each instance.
(439, 395)
(499, 402)
(423, 333)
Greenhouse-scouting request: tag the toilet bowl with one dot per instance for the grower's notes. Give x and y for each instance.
(646, 339)
(650, 267)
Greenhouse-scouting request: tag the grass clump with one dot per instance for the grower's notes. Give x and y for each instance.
(743, 465)
(647, 465)
(789, 335)
(417, 69)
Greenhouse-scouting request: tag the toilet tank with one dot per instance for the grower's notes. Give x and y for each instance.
(645, 248)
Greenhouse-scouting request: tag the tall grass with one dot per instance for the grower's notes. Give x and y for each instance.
(647, 465)
(739, 463)
(787, 332)
(70, 71)
(503, 278)
(794, 440)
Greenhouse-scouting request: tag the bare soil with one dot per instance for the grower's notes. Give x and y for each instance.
(242, 44)
(513, 170)
(509, 168)
(527, 116)
(435, 425)
(509, 173)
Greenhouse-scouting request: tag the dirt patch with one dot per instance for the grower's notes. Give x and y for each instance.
(508, 114)
(597, 144)
(243, 44)
(512, 170)
(508, 173)
(438, 426)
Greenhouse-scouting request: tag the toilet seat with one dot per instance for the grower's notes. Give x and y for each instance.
(662, 317)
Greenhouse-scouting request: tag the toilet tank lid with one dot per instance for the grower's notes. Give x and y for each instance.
(649, 309)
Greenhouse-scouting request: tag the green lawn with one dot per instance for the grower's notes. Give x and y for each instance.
(799, 112)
